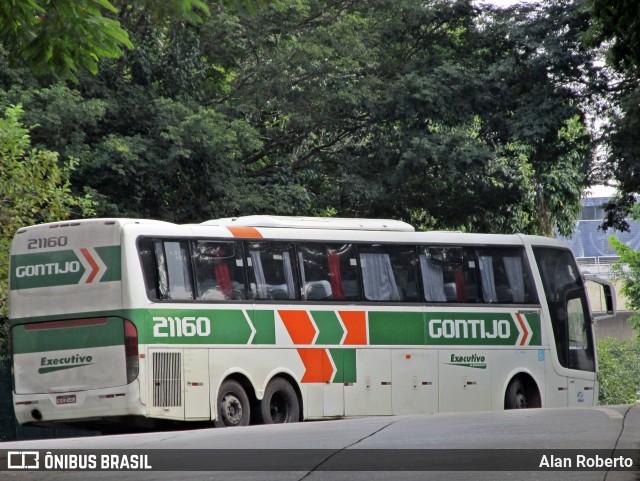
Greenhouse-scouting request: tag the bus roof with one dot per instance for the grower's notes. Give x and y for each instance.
(327, 223)
(91, 222)
(308, 228)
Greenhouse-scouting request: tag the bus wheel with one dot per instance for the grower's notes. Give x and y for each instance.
(280, 403)
(233, 405)
(522, 393)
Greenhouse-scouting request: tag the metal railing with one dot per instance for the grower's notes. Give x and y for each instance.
(599, 266)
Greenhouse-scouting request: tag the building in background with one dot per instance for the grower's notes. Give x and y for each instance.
(590, 245)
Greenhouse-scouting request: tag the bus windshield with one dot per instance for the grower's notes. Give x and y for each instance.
(564, 291)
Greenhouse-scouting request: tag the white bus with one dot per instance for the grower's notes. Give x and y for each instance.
(265, 319)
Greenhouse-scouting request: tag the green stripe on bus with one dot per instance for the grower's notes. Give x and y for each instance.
(198, 326)
(45, 269)
(241, 327)
(329, 327)
(536, 335)
(110, 333)
(345, 362)
(396, 328)
(471, 329)
(265, 325)
(110, 255)
(64, 267)
(452, 329)
(229, 327)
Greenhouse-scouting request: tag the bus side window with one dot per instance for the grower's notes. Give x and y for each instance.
(149, 270)
(580, 353)
(173, 269)
(389, 273)
(449, 274)
(328, 272)
(505, 276)
(271, 271)
(166, 268)
(218, 270)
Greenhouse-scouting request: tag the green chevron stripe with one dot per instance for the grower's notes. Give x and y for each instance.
(345, 361)
(329, 327)
(265, 324)
(110, 255)
(536, 331)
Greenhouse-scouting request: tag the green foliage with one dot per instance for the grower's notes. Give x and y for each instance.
(61, 36)
(436, 112)
(617, 23)
(35, 188)
(560, 183)
(628, 269)
(614, 29)
(624, 150)
(405, 110)
(618, 370)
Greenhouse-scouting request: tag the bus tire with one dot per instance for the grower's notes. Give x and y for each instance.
(519, 396)
(280, 403)
(233, 405)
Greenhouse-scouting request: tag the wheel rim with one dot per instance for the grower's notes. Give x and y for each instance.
(279, 408)
(521, 400)
(231, 409)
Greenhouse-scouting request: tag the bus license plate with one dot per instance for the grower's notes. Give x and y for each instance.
(68, 399)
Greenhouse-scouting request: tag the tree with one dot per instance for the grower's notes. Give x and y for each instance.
(614, 29)
(618, 370)
(617, 24)
(62, 37)
(424, 111)
(627, 268)
(437, 113)
(35, 188)
(539, 81)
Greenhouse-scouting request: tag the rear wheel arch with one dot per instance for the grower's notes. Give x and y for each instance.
(522, 392)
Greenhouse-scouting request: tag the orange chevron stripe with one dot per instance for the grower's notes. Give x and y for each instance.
(245, 232)
(318, 367)
(356, 324)
(95, 268)
(299, 326)
(526, 335)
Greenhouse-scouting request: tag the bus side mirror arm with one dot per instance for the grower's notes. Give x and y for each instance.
(609, 296)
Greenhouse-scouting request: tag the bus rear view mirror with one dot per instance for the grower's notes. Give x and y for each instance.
(602, 297)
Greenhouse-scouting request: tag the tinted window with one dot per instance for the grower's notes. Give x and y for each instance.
(328, 272)
(449, 274)
(505, 276)
(271, 271)
(219, 271)
(173, 269)
(149, 268)
(389, 273)
(564, 291)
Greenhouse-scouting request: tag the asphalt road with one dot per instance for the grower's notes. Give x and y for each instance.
(525, 445)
